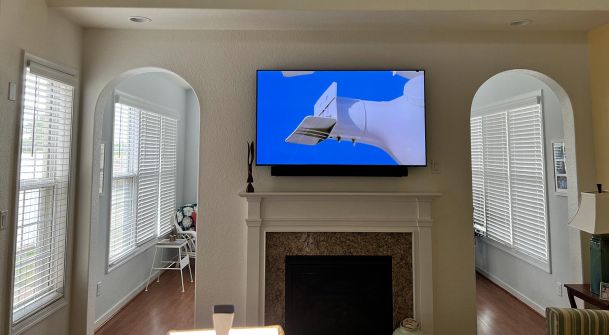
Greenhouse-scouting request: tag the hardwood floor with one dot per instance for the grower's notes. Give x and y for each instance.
(164, 307)
(501, 313)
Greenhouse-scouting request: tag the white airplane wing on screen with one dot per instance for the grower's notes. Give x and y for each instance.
(312, 130)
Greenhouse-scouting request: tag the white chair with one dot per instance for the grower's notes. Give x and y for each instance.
(189, 235)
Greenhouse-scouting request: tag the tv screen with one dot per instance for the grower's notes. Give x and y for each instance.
(341, 118)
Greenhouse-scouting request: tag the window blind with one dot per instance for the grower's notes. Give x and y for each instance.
(508, 176)
(478, 175)
(124, 180)
(169, 162)
(144, 177)
(43, 190)
(496, 178)
(149, 174)
(527, 186)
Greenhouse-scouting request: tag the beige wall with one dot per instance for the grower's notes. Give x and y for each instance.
(30, 26)
(221, 68)
(599, 77)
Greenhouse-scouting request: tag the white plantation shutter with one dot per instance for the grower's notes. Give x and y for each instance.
(478, 175)
(149, 174)
(144, 177)
(169, 162)
(496, 178)
(509, 189)
(43, 189)
(527, 174)
(124, 180)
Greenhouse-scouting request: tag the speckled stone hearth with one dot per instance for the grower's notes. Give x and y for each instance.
(282, 244)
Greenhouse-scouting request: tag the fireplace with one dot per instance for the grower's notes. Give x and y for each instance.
(349, 248)
(282, 224)
(338, 295)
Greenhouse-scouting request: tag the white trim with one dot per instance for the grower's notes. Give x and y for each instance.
(110, 313)
(39, 316)
(340, 212)
(546, 267)
(70, 76)
(137, 102)
(138, 250)
(533, 97)
(514, 292)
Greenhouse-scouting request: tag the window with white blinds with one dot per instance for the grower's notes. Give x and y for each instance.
(508, 176)
(43, 189)
(144, 186)
(149, 173)
(168, 174)
(125, 151)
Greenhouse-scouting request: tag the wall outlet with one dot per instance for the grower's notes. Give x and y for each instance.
(559, 289)
(99, 288)
(3, 219)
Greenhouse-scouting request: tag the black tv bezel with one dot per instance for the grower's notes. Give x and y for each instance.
(341, 170)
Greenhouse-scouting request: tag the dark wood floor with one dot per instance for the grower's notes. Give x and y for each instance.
(164, 307)
(501, 313)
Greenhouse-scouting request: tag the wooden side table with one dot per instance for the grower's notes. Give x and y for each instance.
(583, 292)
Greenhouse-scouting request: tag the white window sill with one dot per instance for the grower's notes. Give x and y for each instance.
(544, 266)
(138, 250)
(30, 321)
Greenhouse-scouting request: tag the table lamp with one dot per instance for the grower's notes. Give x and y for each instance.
(593, 217)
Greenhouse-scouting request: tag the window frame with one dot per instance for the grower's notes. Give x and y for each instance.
(134, 176)
(69, 76)
(162, 111)
(505, 105)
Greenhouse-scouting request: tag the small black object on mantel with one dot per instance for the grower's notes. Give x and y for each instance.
(250, 161)
(599, 188)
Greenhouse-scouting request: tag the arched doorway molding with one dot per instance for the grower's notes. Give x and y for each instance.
(105, 98)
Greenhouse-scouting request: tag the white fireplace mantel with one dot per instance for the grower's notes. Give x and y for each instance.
(340, 212)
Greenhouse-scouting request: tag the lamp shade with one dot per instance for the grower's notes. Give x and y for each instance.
(593, 213)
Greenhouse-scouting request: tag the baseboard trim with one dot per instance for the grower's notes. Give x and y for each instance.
(517, 294)
(109, 314)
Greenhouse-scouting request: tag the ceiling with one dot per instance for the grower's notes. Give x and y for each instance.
(433, 15)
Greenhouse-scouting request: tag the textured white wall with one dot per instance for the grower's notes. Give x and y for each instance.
(30, 26)
(221, 68)
(536, 285)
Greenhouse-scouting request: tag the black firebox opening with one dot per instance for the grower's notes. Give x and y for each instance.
(338, 295)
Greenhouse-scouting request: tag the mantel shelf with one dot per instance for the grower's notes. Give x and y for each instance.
(337, 194)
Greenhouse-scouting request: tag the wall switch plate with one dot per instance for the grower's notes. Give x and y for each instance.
(559, 289)
(3, 219)
(435, 166)
(99, 288)
(12, 91)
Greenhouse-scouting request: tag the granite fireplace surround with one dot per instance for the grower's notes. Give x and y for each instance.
(282, 244)
(340, 224)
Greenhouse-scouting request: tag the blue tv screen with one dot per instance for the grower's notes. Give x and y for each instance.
(352, 118)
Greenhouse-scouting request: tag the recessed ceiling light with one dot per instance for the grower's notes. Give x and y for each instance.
(520, 23)
(139, 19)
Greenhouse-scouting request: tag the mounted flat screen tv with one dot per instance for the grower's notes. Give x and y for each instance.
(340, 122)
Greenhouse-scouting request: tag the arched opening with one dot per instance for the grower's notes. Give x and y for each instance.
(145, 182)
(525, 190)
